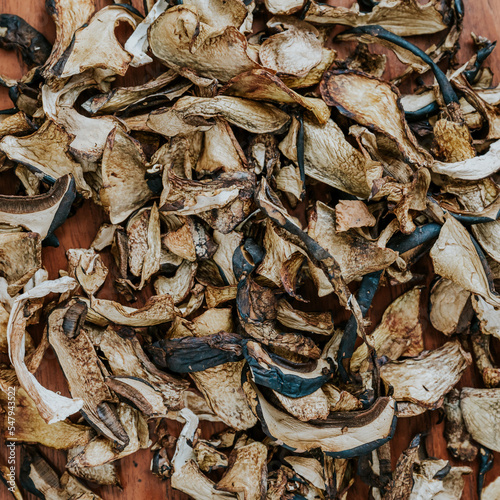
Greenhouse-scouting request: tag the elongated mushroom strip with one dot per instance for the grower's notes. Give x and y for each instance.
(84, 53)
(158, 309)
(320, 323)
(471, 169)
(428, 377)
(402, 17)
(101, 450)
(46, 151)
(261, 85)
(68, 15)
(52, 407)
(247, 474)
(400, 322)
(455, 257)
(125, 188)
(342, 434)
(80, 365)
(187, 476)
(351, 91)
(194, 49)
(189, 114)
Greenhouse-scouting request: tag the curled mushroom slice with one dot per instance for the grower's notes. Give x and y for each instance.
(101, 450)
(125, 188)
(178, 286)
(158, 309)
(32, 428)
(330, 158)
(450, 308)
(261, 85)
(400, 322)
(183, 42)
(219, 14)
(189, 114)
(247, 473)
(87, 268)
(20, 258)
(350, 91)
(428, 377)
(83, 52)
(68, 15)
(80, 365)
(342, 434)
(51, 406)
(356, 255)
(187, 476)
(46, 151)
(402, 17)
(474, 168)
(283, 376)
(312, 322)
(455, 257)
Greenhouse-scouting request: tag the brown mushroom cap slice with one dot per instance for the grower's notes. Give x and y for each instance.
(247, 473)
(330, 158)
(183, 42)
(344, 434)
(375, 104)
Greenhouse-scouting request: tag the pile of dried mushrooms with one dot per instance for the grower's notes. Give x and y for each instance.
(263, 181)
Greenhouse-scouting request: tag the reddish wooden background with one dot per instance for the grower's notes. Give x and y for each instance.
(78, 232)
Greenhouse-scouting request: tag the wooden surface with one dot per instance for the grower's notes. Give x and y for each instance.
(78, 232)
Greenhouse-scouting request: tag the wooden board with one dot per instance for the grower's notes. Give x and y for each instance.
(78, 232)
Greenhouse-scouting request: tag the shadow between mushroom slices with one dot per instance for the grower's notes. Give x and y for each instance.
(341, 435)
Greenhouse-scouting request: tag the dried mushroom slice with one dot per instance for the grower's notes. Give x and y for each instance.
(196, 50)
(330, 158)
(350, 91)
(80, 365)
(84, 54)
(247, 473)
(46, 151)
(356, 255)
(261, 85)
(187, 476)
(428, 377)
(308, 468)
(158, 309)
(455, 257)
(480, 410)
(449, 306)
(287, 7)
(314, 406)
(219, 14)
(68, 15)
(103, 475)
(178, 286)
(124, 188)
(401, 325)
(343, 435)
(101, 450)
(190, 114)
(39, 479)
(402, 17)
(32, 428)
(313, 322)
(350, 214)
(87, 267)
(20, 258)
(51, 406)
(295, 49)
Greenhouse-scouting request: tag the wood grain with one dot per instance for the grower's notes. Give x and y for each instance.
(79, 230)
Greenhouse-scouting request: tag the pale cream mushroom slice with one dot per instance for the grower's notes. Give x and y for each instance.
(103, 475)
